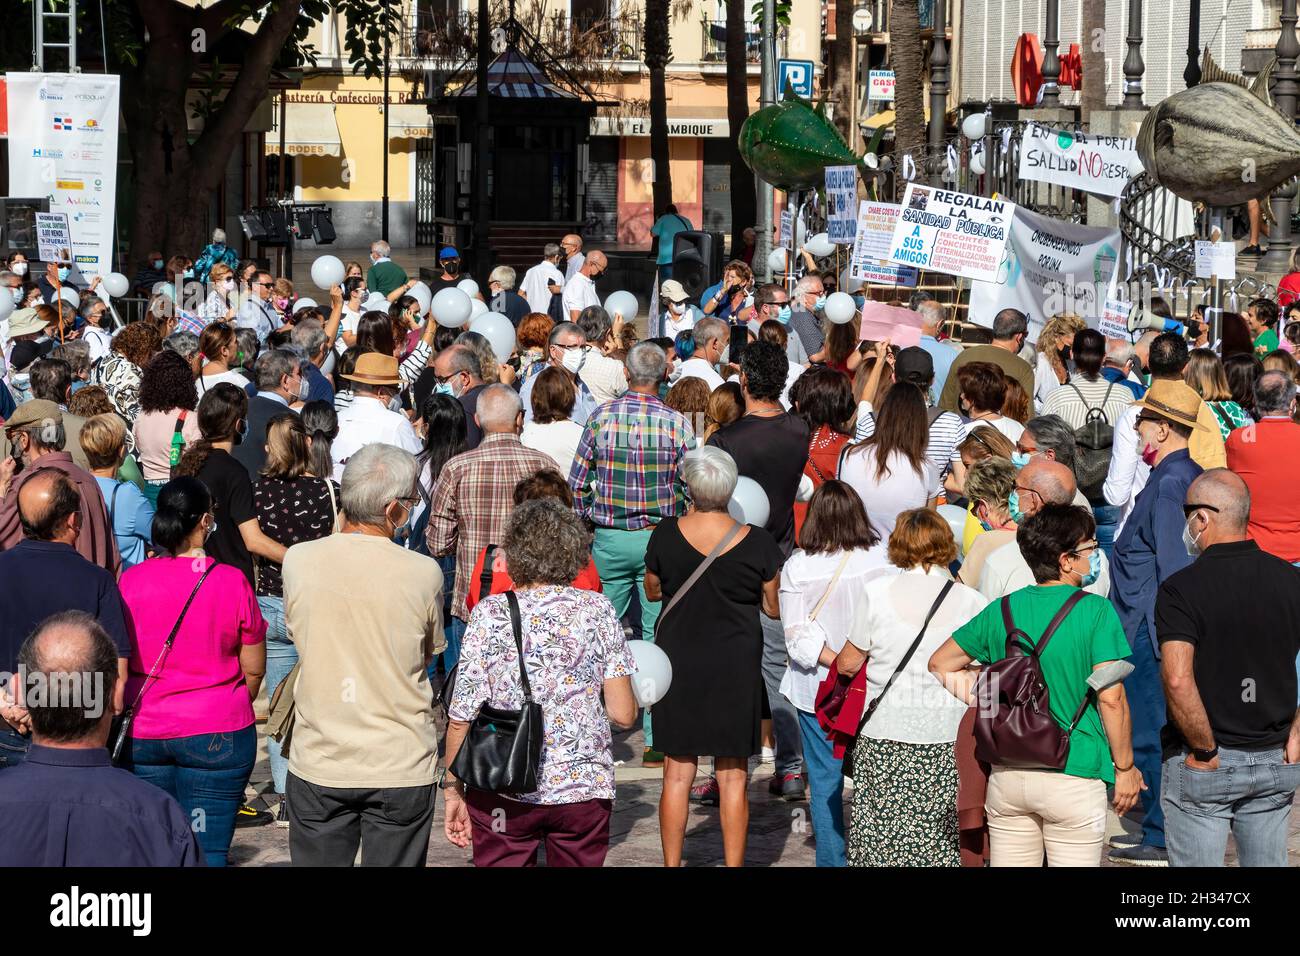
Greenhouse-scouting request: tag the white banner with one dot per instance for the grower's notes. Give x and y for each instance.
(955, 233)
(63, 147)
(1098, 164)
(875, 233)
(1050, 267)
(841, 204)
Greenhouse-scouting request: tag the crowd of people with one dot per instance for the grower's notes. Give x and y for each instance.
(836, 543)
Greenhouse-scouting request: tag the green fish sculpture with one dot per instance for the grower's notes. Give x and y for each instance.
(790, 143)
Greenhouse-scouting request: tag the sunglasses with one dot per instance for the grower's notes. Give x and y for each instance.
(1188, 510)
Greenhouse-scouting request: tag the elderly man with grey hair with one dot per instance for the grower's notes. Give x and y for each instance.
(544, 281)
(280, 385)
(385, 275)
(502, 297)
(565, 348)
(366, 616)
(806, 337)
(474, 494)
(1050, 438)
(933, 314)
(308, 336)
(1121, 360)
(625, 481)
(1266, 456)
(1230, 748)
(712, 338)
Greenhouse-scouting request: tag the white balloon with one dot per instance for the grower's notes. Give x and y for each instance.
(977, 164)
(327, 271)
(496, 328)
(69, 295)
(654, 673)
(973, 126)
(450, 308)
(800, 233)
(468, 286)
(115, 284)
(622, 303)
(6, 304)
(840, 307)
(749, 502)
(423, 295)
(477, 307)
(776, 259)
(848, 283)
(820, 245)
(956, 518)
(303, 303)
(375, 302)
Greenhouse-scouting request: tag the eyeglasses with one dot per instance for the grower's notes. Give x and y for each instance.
(444, 379)
(1188, 510)
(1079, 552)
(1146, 418)
(1029, 491)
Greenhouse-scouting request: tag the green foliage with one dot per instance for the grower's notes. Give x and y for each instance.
(782, 13)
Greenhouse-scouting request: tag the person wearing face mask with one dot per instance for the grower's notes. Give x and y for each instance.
(457, 373)
(989, 484)
(1010, 328)
(729, 296)
(364, 776)
(236, 536)
(385, 275)
(354, 295)
(368, 419)
(214, 253)
(711, 342)
(282, 298)
(806, 336)
(678, 314)
(221, 305)
(151, 273)
(449, 263)
(1231, 760)
(11, 287)
(258, 311)
(280, 386)
(59, 275)
(580, 291)
(571, 246)
(18, 265)
(503, 299)
(1147, 552)
(566, 348)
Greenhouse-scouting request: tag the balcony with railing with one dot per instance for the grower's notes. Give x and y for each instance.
(714, 42)
(452, 38)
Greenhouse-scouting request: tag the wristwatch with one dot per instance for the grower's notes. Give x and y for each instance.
(1205, 756)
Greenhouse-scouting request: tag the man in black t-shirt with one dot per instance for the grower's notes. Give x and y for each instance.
(771, 446)
(1228, 627)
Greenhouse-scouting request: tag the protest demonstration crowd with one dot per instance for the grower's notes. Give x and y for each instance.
(970, 598)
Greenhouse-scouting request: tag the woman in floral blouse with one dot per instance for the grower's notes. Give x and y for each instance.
(574, 652)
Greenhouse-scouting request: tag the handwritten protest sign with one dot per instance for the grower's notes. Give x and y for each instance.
(951, 232)
(875, 233)
(1098, 164)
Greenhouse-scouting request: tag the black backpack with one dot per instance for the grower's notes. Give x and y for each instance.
(1093, 440)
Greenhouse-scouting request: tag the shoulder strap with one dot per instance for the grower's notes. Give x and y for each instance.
(699, 571)
(485, 578)
(112, 503)
(902, 665)
(171, 638)
(1060, 616)
(517, 626)
(830, 587)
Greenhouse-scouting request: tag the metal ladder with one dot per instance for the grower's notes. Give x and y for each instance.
(45, 15)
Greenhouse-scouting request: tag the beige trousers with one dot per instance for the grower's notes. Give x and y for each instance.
(1035, 811)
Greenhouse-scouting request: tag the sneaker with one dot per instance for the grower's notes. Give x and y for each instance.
(1121, 840)
(248, 816)
(768, 755)
(652, 758)
(1140, 854)
(706, 793)
(282, 814)
(789, 786)
(1251, 251)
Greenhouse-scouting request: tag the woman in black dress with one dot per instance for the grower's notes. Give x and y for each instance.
(715, 643)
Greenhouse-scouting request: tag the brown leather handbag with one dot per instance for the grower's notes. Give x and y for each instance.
(1014, 726)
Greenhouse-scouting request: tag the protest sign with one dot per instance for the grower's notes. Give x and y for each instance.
(1114, 319)
(1098, 164)
(951, 232)
(841, 204)
(787, 227)
(53, 237)
(1050, 266)
(880, 321)
(1216, 260)
(875, 233)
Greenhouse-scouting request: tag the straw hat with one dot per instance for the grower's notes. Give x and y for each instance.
(375, 368)
(1175, 401)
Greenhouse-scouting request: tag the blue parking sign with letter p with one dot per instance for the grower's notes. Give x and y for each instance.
(797, 75)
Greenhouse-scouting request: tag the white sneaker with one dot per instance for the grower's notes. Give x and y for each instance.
(767, 756)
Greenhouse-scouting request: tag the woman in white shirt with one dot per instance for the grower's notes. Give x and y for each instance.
(904, 810)
(1050, 369)
(1087, 390)
(983, 390)
(218, 350)
(821, 592)
(551, 430)
(354, 289)
(890, 471)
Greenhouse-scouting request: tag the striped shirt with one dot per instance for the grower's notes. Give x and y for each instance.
(1073, 400)
(946, 432)
(625, 473)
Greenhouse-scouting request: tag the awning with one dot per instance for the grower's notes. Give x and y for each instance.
(885, 118)
(409, 121)
(310, 130)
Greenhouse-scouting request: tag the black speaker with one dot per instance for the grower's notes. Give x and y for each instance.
(322, 227)
(697, 261)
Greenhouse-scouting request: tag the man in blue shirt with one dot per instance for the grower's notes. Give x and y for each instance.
(66, 805)
(933, 314)
(43, 574)
(666, 228)
(309, 337)
(1149, 550)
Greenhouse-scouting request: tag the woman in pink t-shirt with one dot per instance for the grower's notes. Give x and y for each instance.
(193, 732)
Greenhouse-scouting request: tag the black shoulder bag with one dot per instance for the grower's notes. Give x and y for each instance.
(124, 729)
(502, 751)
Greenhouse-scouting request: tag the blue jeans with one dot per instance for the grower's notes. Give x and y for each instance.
(1250, 795)
(207, 774)
(1107, 517)
(454, 626)
(825, 791)
(281, 655)
(785, 722)
(1146, 702)
(13, 746)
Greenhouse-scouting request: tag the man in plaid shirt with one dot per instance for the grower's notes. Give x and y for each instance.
(625, 481)
(474, 495)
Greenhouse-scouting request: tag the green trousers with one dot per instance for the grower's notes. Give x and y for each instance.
(620, 559)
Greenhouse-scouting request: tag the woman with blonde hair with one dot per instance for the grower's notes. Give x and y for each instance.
(726, 405)
(1054, 342)
(291, 505)
(130, 513)
(221, 305)
(1206, 376)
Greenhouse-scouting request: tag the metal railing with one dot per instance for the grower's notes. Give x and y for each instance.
(453, 37)
(714, 41)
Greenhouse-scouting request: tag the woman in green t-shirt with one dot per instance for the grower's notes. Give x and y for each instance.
(1062, 813)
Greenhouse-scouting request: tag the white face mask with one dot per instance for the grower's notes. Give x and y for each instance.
(304, 388)
(228, 285)
(573, 359)
(1190, 541)
(19, 268)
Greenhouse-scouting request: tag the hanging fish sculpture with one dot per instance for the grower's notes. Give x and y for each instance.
(1219, 143)
(789, 144)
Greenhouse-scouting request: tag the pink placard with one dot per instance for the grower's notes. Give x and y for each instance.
(901, 326)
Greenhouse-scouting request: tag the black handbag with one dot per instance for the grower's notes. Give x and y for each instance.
(502, 751)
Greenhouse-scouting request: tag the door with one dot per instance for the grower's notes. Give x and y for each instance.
(425, 188)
